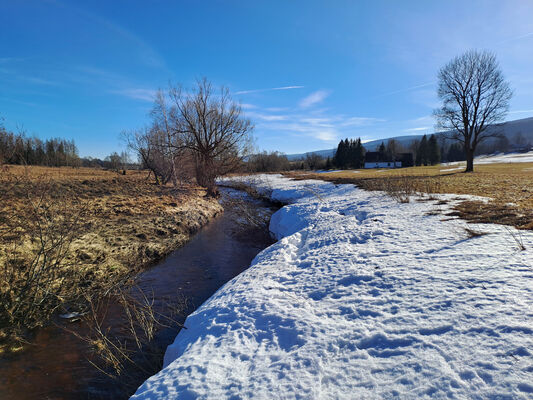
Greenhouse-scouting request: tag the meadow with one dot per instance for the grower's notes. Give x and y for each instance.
(71, 233)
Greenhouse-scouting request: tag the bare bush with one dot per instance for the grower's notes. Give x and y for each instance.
(518, 239)
(124, 347)
(36, 274)
(268, 162)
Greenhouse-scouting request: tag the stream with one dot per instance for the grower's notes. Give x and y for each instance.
(55, 365)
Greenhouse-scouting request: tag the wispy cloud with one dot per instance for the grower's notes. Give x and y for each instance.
(11, 100)
(137, 93)
(514, 38)
(314, 98)
(266, 117)
(12, 72)
(317, 124)
(521, 112)
(407, 89)
(418, 129)
(145, 51)
(268, 90)
(39, 81)
(248, 106)
(6, 60)
(360, 121)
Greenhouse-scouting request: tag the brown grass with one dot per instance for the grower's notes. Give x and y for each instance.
(123, 222)
(510, 186)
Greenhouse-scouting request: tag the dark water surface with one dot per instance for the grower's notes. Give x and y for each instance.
(55, 365)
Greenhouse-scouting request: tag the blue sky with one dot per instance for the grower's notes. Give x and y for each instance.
(308, 73)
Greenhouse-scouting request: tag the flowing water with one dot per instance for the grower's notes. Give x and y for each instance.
(55, 365)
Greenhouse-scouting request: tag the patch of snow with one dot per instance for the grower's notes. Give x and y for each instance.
(451, 169)
(498, 158)
(505, 158)
(362, 297)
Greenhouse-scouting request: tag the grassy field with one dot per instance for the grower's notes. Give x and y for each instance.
(83, 229)
(510, 186)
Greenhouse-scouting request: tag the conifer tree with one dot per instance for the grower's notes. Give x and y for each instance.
(382, 152)
(422, 152)
(433, 151)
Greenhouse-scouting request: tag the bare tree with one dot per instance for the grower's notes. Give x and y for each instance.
(474, 95)
(150, 144)
(211, 126)
(170, 143)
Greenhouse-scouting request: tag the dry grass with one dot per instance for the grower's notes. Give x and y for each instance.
(509, 185)
(122, 222)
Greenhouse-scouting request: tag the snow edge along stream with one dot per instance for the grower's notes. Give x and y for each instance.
(362, 297)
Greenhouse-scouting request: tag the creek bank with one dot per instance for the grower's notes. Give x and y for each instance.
(362, 297)
(55, 365)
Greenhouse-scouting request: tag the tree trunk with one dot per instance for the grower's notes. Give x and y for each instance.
(212, 189)
(469, 160)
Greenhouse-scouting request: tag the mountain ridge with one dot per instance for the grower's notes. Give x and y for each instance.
(510, 129)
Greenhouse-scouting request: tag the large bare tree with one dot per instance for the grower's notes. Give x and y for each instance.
(474, 96)
(212, 127)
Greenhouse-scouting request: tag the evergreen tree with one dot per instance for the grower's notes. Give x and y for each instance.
(382, 152)
(341, 155)
(433, 151)
(422, 152)
(359, 152)
(338, 158)
(455, 153)
(350, 154)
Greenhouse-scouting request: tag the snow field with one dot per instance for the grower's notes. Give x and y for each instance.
(362, 297)
(499, 158)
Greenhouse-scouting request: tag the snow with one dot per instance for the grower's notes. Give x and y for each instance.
(452, 169)
(505, 158)
(499, 158)
(362, 298)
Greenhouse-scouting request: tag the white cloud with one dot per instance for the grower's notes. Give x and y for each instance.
(407, 89)
(269, 89)
(360, 121)
(247, 106)
(419, 129)
(316, 124)
(137, 93)
(314, 98)
(266, 117)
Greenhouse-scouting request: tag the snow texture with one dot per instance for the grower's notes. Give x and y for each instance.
(362, 298)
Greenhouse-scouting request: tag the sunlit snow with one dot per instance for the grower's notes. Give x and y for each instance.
(362, 297)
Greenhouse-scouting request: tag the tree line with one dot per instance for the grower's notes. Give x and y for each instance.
(426, 151)
(350, 154)
(16, 148)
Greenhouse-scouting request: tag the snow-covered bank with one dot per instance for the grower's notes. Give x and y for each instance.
(362, 297)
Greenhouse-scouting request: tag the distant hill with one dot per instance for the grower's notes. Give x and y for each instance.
(510, 129)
